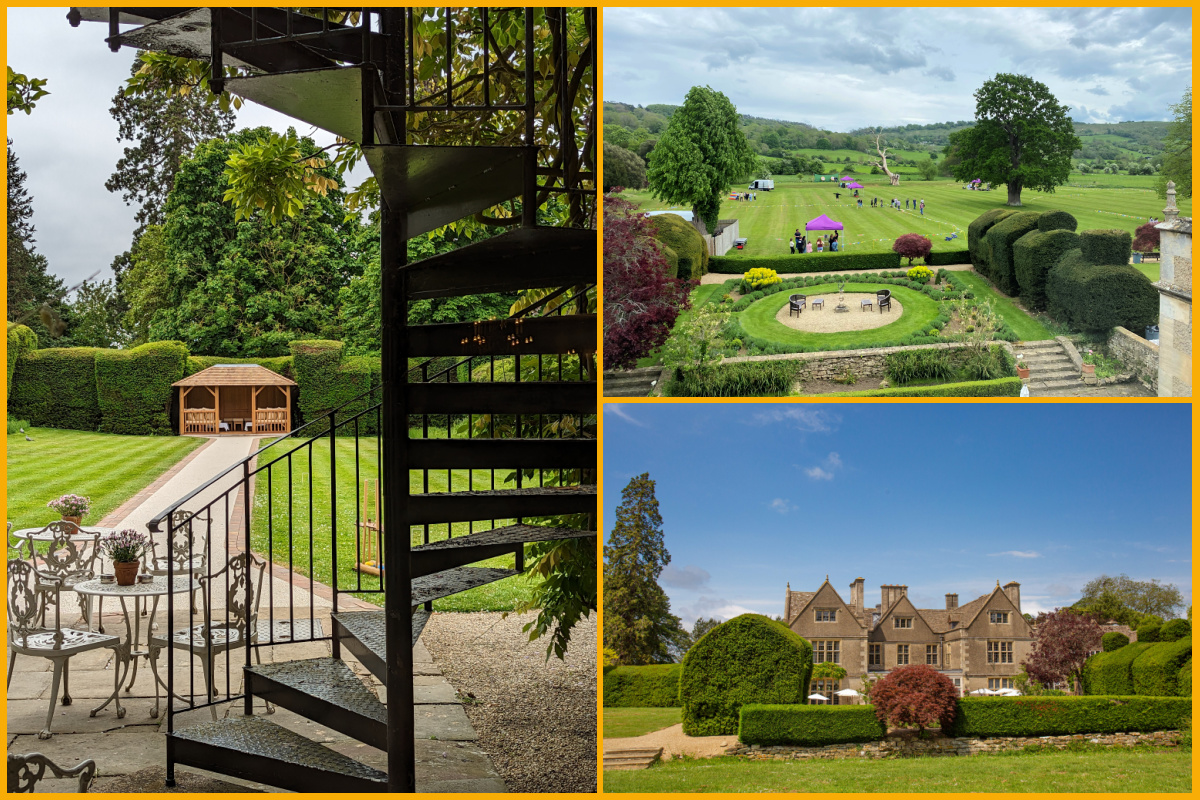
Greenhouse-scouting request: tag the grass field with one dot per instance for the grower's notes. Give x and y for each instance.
(620, 722)
(103, 466)
(769, 221)
(1100, 770)
(502, 595)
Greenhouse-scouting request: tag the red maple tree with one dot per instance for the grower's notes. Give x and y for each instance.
(912, 245)
(1062, 642)
(641, 298)
(1146, 238)
(915, 695)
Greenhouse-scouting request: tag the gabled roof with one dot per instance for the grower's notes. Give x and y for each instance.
(235, 375)
(802, 600)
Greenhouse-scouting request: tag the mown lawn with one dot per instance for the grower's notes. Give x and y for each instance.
(105, 467)
(289, 478)
(1026, 327)
(1109, 770)
(620, 722)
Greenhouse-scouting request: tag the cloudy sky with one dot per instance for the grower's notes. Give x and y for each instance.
(846, 68)
(943, 498)
(68, 147)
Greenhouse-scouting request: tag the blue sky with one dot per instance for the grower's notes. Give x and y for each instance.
(941, 497)
(844, 68)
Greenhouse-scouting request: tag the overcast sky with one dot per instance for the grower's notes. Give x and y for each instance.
(846, 68)
(68, 147)
(943, 498)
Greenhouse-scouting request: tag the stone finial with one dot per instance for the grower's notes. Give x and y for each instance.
(1171, 211)
(789, 586)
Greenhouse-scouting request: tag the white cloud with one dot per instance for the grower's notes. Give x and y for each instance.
(818, 474)
(1018, 553)
(688, 577)
(716, 607)
(809, 420)
(619, 411)
(832, 463)
(781, 505)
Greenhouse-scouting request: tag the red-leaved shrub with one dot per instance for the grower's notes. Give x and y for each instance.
(915, 695)
(1146, 238)
(912, 245)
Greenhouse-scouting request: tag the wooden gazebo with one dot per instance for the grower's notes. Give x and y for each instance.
(235, 399)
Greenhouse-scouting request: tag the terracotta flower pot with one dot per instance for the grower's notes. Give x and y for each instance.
(126, 572)
(1022, 372)
(1089, 369)
(76, 520)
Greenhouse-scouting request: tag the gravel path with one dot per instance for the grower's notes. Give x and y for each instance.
(673, 742)
(535, 718)
(826, 320)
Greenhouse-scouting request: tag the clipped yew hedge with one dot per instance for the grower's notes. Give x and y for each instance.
(652, 686)
(1185, 678)
(813, 262)
(977, 245)
(947, 258)
(1000, 240)
(749, 659)
(21, 340)
(682, 245)
(281, 365)
(1156, 672)
(809, 726)
(133, 387)
(1059, 716)
(1106, 246)
(1034, 255)
(327, 380)
(1111, 673)
(1096, 298)
(56, 388)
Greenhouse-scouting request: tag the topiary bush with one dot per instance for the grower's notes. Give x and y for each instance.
(1156, 671)
(1034, 255)
(1184, 681)
(133, 387)
(915, 695)
(326, 381)
(20, 340)
(809, 726)
(653, 686)
(1000, 240)
(1059, 716)
(281, 365)
(1149, 632)
(749, 659)
(56, 388)
(1113, 640)
(1095, 299)
(1174, 629)
(689, 253)
(1106, 246)
(977, 245)
(948, 257)
(1111, 673)
(1057, 221)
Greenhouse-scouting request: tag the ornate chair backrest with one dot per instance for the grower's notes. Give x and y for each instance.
(243, 592)
(25, 771)
(24, 601)
(68, 555)
(189, 547)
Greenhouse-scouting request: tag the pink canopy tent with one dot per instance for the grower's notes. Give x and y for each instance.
(823, 223)
(854, 185)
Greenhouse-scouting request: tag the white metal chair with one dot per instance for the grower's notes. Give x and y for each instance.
(24, 772)
(27, 600)
(68, 559)
(188, 552)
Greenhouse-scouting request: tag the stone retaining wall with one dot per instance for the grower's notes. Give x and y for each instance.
(896, 747)
(1136, 353)
(866, 363)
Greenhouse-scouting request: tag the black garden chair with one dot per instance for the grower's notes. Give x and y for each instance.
(883, 298)
(796, 304)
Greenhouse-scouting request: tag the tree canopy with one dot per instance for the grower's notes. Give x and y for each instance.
(1177, 155)
(623, 168)
(700, 154)
(1113, 596)
(1023, 137)
(1062, 643)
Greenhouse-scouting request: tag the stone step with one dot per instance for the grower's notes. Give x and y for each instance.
(626, 767)
(1049, 363)
(631, 758)
(639, 390)
(1058, 383)
(634, 752)
(1053, 374)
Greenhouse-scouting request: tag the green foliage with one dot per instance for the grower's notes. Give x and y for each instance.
(1095, 299)
(1175, 629)
(623, 168)
(134, 387)
(977, 243)
(56, 388)
(948, 257)
(650, 686)
(327, 379)
(1177, 149)
(21, 340)
(689, 254)
(919, 274)
(1149, 632)
(739, 379)
(700, 154)
(1034, 255)
(749, 659)
(1156, 671)
(24, 92)
(1058, 716)
(1185, 679)
(1002, 387)
(908, 366)
(1112, 673)
(1113, 640)
(281, 365)
(1000, 240)
(759, 278)
(1057, 221)
(1106, 246)
(824, 262)
(808, 726)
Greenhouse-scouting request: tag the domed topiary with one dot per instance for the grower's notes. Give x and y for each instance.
(673, 231)
(1113, 640)
(749, 659)
(1174, 629)
(1149, 633)
(1057, 221)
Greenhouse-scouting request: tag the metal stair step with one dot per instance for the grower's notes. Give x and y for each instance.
(324, 690)
(330, 99)
(255, 749)
(364, 634)
(428, 588)
(434, 557)
(501, 504)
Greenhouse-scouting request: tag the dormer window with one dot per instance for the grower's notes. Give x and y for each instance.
(902, 622)
(999, 617)
(826, 615)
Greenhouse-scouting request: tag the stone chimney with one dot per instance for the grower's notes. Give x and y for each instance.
(1013, 590)
(951, 601)
(890, 593)
(856, 595)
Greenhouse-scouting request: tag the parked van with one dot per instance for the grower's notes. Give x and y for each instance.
(764, 185)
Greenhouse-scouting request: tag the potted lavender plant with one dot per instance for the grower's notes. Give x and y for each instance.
(72, 507)
(125, 548)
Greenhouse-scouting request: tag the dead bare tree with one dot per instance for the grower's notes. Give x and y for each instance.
(881, 162)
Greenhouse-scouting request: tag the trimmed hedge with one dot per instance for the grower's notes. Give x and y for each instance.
(815, 262)
(1113, 640)
(809, 726)
(281, 365)
(56, 388)
(1097, 298)
(1000, 240)
(977, 245)
(749, 659)
(133, 387)
(1156, 672)
(948, 257)
(1174, 629)
(682, 245)
(327, 380)
(653, 686)
(1001, 387)
(1058, 716)
(1149, 632)
(1034, 255)
(1106, 246)
(1185, 679)
(1111, 673)
(1057, 221)
(21, 340)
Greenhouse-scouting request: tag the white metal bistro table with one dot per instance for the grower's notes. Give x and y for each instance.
(133, 630)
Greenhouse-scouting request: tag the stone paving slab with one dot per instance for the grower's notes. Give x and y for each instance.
(28, 717)
(32, 685)
(129, 752)
(444, 722)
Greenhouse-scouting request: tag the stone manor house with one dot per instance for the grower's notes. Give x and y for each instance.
(978, 645)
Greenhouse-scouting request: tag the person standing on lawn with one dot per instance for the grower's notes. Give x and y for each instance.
(922, 206)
